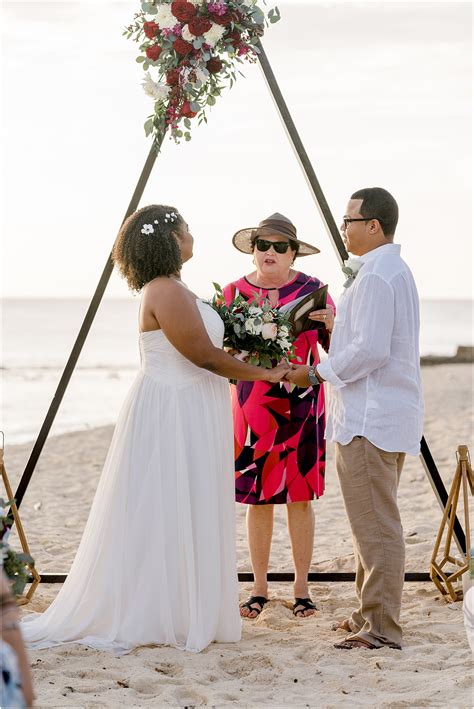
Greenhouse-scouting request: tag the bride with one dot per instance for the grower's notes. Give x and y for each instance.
(156, 563)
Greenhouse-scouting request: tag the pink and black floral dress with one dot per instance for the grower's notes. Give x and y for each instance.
(280, 451)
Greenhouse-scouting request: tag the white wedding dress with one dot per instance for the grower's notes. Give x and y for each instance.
(157, 561)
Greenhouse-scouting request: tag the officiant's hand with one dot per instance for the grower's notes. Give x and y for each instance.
(326, 315)
(278, 373)
(298, 375)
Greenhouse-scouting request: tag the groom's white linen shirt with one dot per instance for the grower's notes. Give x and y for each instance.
(373, 363)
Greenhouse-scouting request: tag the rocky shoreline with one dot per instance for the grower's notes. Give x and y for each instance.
(464, 355)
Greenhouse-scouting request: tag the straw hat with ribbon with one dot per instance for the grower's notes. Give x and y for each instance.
(275, 225)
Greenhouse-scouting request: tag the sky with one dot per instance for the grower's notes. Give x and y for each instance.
(379, 91)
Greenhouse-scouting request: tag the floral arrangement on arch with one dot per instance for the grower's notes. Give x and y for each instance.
(194, 45)
(14, 564)
(261, 333)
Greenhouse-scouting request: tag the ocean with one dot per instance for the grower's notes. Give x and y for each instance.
(37, 337)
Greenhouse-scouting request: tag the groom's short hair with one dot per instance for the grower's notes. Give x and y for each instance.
(379, 204)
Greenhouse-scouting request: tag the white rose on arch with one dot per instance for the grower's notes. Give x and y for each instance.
(164, 18)
(212, 36)
(155, 89)
(187, 35)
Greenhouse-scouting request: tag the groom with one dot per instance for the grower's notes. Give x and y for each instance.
(376, 409)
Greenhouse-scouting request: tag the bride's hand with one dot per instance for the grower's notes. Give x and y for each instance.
(277, 374)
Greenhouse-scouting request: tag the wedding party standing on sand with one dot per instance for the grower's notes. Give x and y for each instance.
(157, 560)
(376, 409)
(279, 433)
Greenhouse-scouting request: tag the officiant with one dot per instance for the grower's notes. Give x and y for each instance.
(279, 434)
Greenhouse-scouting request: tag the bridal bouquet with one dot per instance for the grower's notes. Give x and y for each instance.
(261, 333)
(194, 45)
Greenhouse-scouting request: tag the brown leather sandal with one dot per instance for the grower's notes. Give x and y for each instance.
(352, 643)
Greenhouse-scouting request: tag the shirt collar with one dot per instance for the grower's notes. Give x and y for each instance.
(381, 251)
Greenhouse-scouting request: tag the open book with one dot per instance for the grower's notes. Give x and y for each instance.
(298, 311)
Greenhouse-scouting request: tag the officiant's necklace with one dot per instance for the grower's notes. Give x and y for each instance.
(265, 288)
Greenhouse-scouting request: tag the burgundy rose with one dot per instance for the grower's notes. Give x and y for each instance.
(182, 47)
(198, 25)
(172, 77)
(150, 29)
(214, 65)
(233, 37)
(153, 52)
(183, 10)
(223, 20)
(186, 110)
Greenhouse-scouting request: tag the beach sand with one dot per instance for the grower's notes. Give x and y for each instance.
(281, 661)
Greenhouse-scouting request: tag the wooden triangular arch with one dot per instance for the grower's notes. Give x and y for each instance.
(341, 253)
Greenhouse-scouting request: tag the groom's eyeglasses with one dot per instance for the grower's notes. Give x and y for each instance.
(281, 247)
(349, 220)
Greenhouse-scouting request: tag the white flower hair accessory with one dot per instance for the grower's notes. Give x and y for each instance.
(170, 217)
(351, 268)
(148, 229)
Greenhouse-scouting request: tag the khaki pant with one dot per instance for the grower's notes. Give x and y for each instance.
(369, 480)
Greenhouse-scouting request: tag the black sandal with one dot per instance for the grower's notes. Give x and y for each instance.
(250, 602)
(307, 604)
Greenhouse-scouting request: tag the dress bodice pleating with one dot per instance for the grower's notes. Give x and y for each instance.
(161, 360)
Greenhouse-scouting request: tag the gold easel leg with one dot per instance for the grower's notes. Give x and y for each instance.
(462, 482)
(22, 600)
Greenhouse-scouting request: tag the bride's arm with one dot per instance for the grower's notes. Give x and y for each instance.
(176, 311)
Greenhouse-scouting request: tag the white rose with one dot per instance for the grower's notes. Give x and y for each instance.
(257, 326)
(165, 18)
(212, 36)
(201, 75)
(154, 89)
(269, 331)
(249, 327)
(254, 310)
(186, 34)
(354, 264)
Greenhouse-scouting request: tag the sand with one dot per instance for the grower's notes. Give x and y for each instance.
(281, 661)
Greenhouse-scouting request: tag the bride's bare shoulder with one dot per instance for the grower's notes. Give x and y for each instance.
(165, 287)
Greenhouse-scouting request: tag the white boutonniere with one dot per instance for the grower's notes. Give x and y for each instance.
(351, 268)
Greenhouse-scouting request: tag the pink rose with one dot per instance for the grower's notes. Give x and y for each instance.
(269, 331)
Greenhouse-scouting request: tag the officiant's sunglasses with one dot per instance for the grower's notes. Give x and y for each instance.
(281, 247)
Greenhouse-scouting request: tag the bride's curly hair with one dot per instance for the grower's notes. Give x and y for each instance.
(146, 245)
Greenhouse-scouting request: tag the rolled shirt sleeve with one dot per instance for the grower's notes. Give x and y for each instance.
(372, 322)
